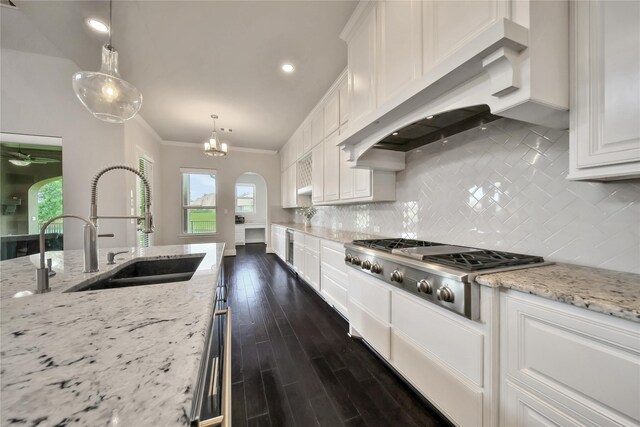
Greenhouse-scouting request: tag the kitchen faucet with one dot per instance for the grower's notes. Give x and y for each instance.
(90, 253)
(146, 219)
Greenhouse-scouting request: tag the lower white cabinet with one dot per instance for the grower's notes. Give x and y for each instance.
(567, 362)
(278, 241)
(334, 276)
(240, 235)
(311, 272)
(298, 253)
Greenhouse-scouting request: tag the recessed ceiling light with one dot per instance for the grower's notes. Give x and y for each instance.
(429, 117)
(394, 134)
(99, 26)
(483, 128)
(288, 68)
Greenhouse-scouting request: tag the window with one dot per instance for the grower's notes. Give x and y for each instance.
(245, 198)
(198, 201)
(145, 166)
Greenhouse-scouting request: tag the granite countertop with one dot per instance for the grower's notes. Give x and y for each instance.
(604, 291)
(340, 236)
(125, 356)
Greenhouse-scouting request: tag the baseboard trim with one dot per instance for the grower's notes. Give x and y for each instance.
(230, 252)
(270, 250)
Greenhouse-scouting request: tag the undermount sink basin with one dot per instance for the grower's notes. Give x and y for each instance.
(145, 272)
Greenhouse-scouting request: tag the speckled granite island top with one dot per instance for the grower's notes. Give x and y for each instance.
(604, 291)
(340, 236)
(126, 356)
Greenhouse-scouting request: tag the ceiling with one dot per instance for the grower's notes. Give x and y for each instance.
(191, 59)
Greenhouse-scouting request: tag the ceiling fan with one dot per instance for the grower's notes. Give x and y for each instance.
(18, 158)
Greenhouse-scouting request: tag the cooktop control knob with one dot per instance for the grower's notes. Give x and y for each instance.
(445, 294)
(375, 268)
(424, 286)
(355, 260)
(366, 264)
(396, 276)
(348, 258)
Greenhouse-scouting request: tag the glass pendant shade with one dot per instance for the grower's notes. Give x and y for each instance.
(104, 93)
(213, 147)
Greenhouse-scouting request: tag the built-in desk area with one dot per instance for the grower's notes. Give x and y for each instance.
(250, 233)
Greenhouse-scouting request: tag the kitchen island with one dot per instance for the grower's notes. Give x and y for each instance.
(127, 356)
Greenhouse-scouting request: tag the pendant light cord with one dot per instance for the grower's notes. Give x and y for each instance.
(110, 12)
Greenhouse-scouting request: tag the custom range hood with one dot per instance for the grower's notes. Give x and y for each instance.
(436, 127)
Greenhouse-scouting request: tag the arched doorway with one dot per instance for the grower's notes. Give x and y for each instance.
(251, 209)
(45, 202)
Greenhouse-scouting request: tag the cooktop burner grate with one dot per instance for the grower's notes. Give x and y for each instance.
(387, 245)
(483, 260)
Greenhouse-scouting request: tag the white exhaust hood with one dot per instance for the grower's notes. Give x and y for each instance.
(503, 68)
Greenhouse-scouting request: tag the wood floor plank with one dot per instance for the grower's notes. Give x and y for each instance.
(238, 411)
(279, 410)
(300, 406)
(254, 398)
(325, 412)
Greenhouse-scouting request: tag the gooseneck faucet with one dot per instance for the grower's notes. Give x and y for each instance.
(90, 253)
(146, 219)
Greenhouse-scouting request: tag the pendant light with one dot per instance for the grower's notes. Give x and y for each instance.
(214, 147)
(104, 93)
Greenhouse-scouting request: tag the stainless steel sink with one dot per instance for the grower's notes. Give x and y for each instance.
(145, 272)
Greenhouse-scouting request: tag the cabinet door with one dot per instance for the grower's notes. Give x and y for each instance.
(298, 258)
(331, 169)
(448, 25)
(284, 179)
(362, 65)
(346, 178)
(317, 127)
(344, 101)
(317, 174)
(306, 138)
(605, 130)
(361, 183)
(312, 269)
(293, 188)
(297, 146)
(400, 46)
(332, 113)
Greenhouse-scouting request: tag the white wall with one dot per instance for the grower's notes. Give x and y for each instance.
(229, 168)
(260, 214)
(505, 188)
(37, 98)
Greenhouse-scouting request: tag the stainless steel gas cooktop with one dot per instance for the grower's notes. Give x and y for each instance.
(440, 273)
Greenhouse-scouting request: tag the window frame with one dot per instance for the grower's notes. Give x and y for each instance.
(254, 197)
(184, 208)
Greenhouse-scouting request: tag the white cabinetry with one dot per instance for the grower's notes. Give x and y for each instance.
(334, 276)
(605, 110)
(306, 137)
(278, 241)
(400, 59)
(331, 169)
(311, 273)
(317, 174)
(346, 178)
(562, 365)
(344, 101)
(298, 253)
(317, 126)
(361, 54)
(332, 113)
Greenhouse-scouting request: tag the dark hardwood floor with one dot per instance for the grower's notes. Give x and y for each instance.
(293, 363)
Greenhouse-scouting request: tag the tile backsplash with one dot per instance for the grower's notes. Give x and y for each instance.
(504, 188)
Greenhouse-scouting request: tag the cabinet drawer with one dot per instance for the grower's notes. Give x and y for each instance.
(582, 360)
(525, 410)
(334, 291)
(312, 243)
(332, 253)
(453, 343)
(458, 400)
(376, 333)
(372, 296)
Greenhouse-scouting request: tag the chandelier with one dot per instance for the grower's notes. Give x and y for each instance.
(214, 147)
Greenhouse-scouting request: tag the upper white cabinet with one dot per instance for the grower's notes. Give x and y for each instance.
(346, 178)
(306, 137)
(344, 101)
(400, 59)
(317, 126)
(317, 174)
(605, 110)
(331, 169)
(332, 113)
(361, 54)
